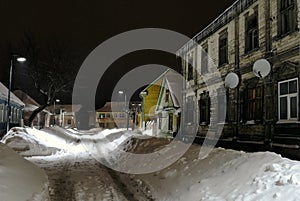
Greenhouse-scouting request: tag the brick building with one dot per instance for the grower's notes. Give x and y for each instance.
(263, 109)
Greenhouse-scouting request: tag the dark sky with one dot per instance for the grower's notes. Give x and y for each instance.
(87, 23)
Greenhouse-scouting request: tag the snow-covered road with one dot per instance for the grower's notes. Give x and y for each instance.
(71, 160)
(79, 178)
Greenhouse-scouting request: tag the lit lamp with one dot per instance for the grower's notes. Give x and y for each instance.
(56, 101)
(127, 118)
(12, 59)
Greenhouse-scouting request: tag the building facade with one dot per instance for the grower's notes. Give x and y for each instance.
(16, 109)
(113, 115)
(262, 109)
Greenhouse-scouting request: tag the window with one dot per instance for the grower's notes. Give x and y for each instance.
(204, 109)
(223, 48)
(167, 95)
(223, 104)
(190, 110)
(159, 120)
(108, 115)
(122, 115)
(204, 59)
(190, 68)
(1, 112)
(288, 99)
(251, 32)
(254, 104)
(287, 20)
(102, 116)
(170, 122)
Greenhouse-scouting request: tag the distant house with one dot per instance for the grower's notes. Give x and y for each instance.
(161, 103)
(62, 115)
(114, 115)
(16, 109)
(30, 106)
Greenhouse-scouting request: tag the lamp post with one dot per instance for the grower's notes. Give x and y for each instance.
(56, 101)
(126, 112)
(12, 59)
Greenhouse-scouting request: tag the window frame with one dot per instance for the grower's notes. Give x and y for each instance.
(223, 48)
(291, 12)
(251, 40)
(204, 59)
(289, 96)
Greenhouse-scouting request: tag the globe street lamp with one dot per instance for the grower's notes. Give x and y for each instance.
(12, 59)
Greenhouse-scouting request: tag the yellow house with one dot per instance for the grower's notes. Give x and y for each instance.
(161, 103)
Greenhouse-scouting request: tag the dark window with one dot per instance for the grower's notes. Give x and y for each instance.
(287, 16)
(167, 95)
(223, 48)
(204, 109)
(204, 59)
(252, 32)
(107, 115)
(102, 116)
(254, 104)
(190, 69)
(223, 104)
(170, 122)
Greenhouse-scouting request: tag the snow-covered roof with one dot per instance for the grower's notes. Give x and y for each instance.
(13, 97)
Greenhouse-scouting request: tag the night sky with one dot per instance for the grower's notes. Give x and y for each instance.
(85, 24)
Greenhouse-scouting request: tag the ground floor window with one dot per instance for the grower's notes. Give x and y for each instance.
(190, 110)
(204, 108)
(288, 99)
(254, 103)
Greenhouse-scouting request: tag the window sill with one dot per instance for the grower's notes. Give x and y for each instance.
(224, 123)
(223, 64)
(288, 122)
(281, 36)
(248, 52)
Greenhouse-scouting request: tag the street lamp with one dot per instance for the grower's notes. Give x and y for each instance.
(12, 59)
(127, 118)
(56, 101)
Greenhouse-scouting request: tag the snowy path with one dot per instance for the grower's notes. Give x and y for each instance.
(80, 178)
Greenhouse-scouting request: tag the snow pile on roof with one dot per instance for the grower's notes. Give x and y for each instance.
(223, 175)
(20, 180)
(13, 97)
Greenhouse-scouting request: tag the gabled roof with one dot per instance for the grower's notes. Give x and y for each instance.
(158, 81)
(174, 82)
(13, 97)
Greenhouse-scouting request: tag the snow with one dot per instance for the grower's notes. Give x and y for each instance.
(13, 97)
(20, 180)
(222, 175)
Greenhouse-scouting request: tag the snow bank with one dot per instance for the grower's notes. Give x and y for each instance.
(20, 180)
(223, 175)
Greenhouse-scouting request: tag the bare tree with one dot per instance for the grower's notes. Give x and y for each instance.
(52, 68)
